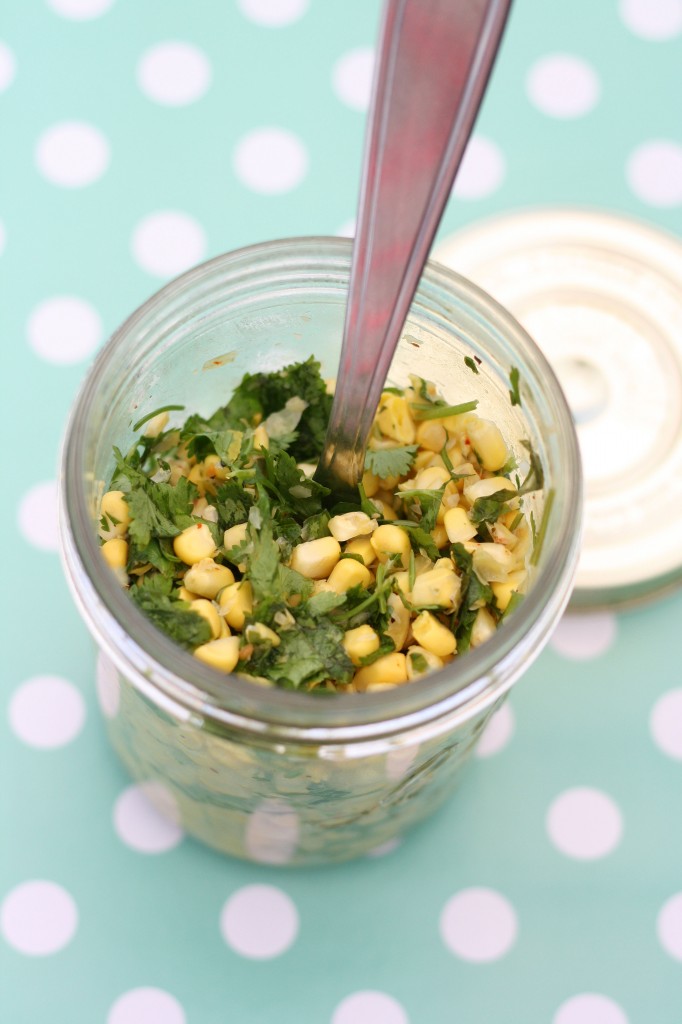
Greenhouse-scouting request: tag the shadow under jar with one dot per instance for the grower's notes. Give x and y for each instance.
(271, 775)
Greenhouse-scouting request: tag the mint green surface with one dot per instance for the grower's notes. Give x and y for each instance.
(152, 920)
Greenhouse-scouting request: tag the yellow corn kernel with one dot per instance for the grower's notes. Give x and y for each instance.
(235, 602)
(179, 468)
(422, 564)
(493, 562)
(433, 635)
(373, 687)
(348, 573)
(330, 385)
(114, 508)
(115, 552)
(351, 524)
(156, 424)
(206, 578)
(488, 443)
(402, 581)
(187, 595)
(208, 611)
(395, 420)
(307, 468)
(483, 627)
(421, 460)
(235, 536)
(458, 526)
(315, 559)
(224, 628)
(399, 621)
(416, 656)
(362, 546)
(503, 591)
(360, 642)
(438, 588)
(388, 541)
(439, 535)
(196, 477)
(222, 654)
(485, 487)
(370, 483)
(432, 478)
(194, 543)
(259, 633)
(431, 435)
(391, 668)
(260, 438)
(214, 468)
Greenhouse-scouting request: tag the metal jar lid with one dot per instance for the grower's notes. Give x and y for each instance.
(602, 297)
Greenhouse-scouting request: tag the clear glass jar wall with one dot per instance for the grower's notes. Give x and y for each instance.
(270, 775)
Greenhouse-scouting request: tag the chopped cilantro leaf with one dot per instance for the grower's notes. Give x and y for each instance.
(385, 462)
(471, 364)
(175, 618)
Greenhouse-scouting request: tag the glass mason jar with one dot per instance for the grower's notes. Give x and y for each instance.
(266, 774)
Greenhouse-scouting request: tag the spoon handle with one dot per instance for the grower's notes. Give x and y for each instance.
(433, 64)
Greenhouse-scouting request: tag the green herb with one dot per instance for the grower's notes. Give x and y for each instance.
(175, 618)
(514, 386)
(489, 510)
(535, 477)
(471, 364)
(386, 462)
(474, 595)
(540, 535)
(419, 662)
(151, 415)
(427, 501)
(439, 410)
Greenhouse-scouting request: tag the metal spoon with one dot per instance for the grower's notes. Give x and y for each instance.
(433, 64)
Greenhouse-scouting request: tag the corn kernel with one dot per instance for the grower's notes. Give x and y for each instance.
(370, 484)
(348, 573)
(433, 635)
(315, 559)
(431, 435)
(194, 543)
(488, 443)
(187, 595)
(360, 642)
(484, 488)
(432, 478)
(206, 578)
(503, 591)
(350, 525)
(493, 562)
(208, 611)
(260, 438)
(395, 420)
(114, 508)
(384, 508)
(420, 661)
(483, 627)
(222, 654)
(458, 526)
(438, 588)
(399, 621)
(115, 553)
(235, 602)
(388, 541)
(361, 546)
(156, 424)
(391, 668)
(259, 633)
(235, 536)
(439, 535)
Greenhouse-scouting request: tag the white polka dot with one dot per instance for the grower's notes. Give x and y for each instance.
(8, 66)
(584, 823)
(168, 243)
(46, 711)
(146, 1006)
(478, 925)
(108, 686)
(666, 723)
(654, 172)
(562, 85)
(669, 926)
(38, 918)
(64, 329)
(497, 732)
(174, 74)
(652, 19)
(270, 160)
(38, 516)
(383, 850)
(259, 921)
(352, 77)
(146, 818)
(581, 637)
(347, 229)
(369, 1008)
(273, 13)
(481, 171)
(72, 154)
(589, 1008)
(272, 832)
(80, 10)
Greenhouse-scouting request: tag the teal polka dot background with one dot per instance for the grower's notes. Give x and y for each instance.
(139, 139)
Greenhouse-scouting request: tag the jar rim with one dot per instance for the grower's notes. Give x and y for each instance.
(173, 677)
